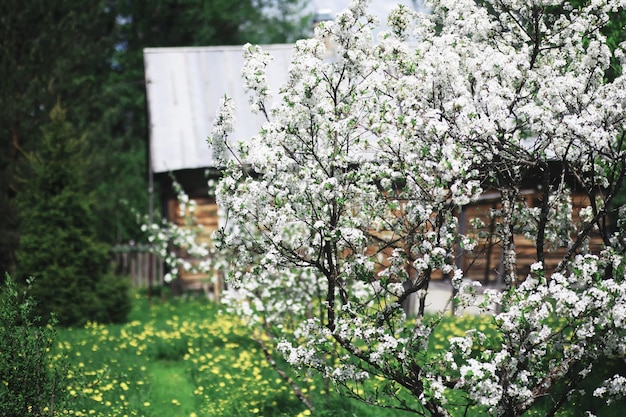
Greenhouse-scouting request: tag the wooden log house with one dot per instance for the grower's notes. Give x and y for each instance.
(184, 86)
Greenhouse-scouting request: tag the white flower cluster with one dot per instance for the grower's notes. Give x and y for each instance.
(255, 77)
(222, 127)
(560, 225)
(583, 302)
(346, 205)
(612, 389)
(167, 239)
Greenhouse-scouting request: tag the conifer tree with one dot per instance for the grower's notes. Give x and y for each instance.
(58, 244)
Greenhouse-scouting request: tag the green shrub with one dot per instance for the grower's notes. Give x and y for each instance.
(113, 294)
(32, 383)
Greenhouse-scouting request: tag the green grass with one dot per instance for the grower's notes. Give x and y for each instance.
(168, 378)
(180, 358)
(184, 358)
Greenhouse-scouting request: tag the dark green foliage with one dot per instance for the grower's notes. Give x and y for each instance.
(58, 240)
(89, 55)
(115, 302)
(51, 51)
(32, 382)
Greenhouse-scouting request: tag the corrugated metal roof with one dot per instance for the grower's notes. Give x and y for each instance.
(184, 87)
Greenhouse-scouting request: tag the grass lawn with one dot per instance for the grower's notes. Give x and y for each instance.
(183, 358)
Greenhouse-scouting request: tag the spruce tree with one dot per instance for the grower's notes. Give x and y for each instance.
(58, 244)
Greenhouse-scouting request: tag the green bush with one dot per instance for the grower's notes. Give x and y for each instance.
(113, 294)
(32, 383)
(58, 242)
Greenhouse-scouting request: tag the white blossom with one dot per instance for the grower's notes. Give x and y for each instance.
(359, 190)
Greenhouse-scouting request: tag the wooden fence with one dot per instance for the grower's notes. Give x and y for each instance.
(144, 268)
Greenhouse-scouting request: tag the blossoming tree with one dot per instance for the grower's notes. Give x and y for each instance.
(345, 203)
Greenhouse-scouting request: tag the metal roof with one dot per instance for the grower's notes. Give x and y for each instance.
(184, 87)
